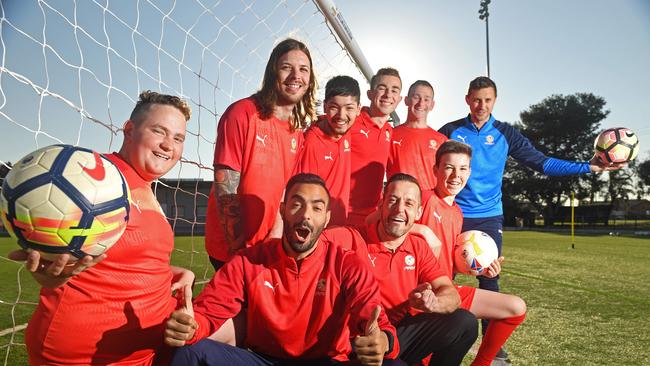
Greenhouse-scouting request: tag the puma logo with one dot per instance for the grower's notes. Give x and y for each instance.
(97, 173)
(261, 139)
(365, 133)
(372, 260)
(461, 138)
(437, 216)
(268, 284)
(398, 143)
(329, 157)
(136, 203)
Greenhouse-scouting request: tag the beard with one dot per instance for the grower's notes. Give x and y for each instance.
(311, 236)
(393, 229)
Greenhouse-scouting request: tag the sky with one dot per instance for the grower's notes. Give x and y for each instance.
(71, 71)
(537, 49)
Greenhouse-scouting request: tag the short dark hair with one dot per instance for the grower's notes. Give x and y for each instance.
(148, 98)
(306, 178)
(383, 72)
(453, 147)
(403, 177)
(342, 85)
(480, 83)
(420, 83)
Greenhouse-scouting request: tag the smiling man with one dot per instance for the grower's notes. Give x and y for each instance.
(414, 144)
(371, 134)
(493, 142)
(327, 149)
(416, 292)
(444, 217)
(111, 309)
(302, 294)
(258, 139)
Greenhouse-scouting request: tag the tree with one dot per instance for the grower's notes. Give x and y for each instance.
(563, 127)
(642, 170)
(620, 184)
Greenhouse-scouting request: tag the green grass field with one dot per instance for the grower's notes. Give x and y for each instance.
(586, 306)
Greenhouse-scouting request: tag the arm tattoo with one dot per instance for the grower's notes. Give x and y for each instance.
(226, 182)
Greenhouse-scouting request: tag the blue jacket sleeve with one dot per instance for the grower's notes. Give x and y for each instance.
(520, 148)
(556, 167)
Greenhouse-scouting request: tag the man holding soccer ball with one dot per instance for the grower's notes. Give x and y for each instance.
(111, 309)
(442, 215)
(493, 142)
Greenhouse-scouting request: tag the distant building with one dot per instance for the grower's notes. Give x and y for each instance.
(185, 203)
(631, 209)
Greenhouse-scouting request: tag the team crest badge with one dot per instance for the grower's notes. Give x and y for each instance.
(409, 260)
(387, 136)
(489, 140)
(433, 144)
(346, 145)
(294, 145)
(409, 263)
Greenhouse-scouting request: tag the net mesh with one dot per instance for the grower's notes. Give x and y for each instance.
(71, 72)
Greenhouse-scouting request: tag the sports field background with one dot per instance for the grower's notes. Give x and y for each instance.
(586, 306)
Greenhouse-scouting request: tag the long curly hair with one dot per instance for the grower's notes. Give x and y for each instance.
(267, 97)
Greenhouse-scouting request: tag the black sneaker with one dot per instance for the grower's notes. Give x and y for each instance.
(501, 359)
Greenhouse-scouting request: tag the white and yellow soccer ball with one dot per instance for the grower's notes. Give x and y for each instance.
(616, 145)
(474, 252)
(65, 199)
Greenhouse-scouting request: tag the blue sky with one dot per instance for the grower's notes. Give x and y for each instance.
(537, 48)
(72, 74)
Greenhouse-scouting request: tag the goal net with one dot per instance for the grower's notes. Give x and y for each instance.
(71, 72)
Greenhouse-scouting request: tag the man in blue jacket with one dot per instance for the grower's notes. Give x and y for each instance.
(492, 142)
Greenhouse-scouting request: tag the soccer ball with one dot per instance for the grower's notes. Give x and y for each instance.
(616, 145)
(65, 199)
(474, 252)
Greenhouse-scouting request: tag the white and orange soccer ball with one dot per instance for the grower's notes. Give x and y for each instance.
(616, 145)
(65, 199)
(474, 252)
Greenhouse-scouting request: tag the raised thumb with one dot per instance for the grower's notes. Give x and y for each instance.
(373, 325)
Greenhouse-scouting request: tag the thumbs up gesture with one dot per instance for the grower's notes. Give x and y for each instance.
(181, 325)
(371, 346)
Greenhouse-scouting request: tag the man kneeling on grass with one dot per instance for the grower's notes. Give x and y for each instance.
(444, 217)
(302, 294)
(418, 295)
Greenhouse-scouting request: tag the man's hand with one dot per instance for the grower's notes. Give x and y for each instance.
(181, 325)
(373, 344)
(494, 268)
(423, 298)
(57, 271)
(597, 166)
(181, 277)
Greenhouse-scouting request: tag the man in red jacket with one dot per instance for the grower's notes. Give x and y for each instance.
(417, 294)
(309, 301)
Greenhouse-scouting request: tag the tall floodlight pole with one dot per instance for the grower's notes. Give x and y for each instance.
(484, 14)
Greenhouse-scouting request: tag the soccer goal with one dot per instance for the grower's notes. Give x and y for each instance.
(71, 72)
